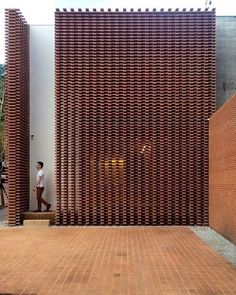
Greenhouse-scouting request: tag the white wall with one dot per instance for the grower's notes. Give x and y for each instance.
(42, 117)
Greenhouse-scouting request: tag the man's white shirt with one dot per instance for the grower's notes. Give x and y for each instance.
(40, 174)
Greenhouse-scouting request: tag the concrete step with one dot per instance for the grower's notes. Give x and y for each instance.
(36, 222)
(29, 215)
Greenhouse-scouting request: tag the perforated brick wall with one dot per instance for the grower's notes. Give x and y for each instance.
(134, 91)
(222, 170)
(17, 113)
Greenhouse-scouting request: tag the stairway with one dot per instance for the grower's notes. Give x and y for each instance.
(30, 218)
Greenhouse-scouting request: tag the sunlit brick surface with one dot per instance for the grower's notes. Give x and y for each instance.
(222, 173)
(134, 91)
(17, 113)
(111, 261)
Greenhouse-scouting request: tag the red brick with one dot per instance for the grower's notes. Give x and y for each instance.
(111, 260)
(222, 170)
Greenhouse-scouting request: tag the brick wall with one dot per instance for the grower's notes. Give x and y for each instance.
(134, 91)
(17, 113)
(222, 170)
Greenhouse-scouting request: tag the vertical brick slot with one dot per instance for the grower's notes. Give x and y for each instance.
(17, 113)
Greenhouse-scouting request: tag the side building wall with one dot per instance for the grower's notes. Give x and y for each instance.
(225, 58)
(17, 113)
(222, 170)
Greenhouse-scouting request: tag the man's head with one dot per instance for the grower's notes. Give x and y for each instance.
(39, 165)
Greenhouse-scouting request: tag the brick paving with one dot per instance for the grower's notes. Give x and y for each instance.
(111, 260)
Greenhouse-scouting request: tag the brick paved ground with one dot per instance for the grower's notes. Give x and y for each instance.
(111, 260)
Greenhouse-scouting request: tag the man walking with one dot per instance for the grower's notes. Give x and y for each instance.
(39, 188)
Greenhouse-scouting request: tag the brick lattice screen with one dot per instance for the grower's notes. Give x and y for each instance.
(222, 170)
(134, 91)
(17, 113)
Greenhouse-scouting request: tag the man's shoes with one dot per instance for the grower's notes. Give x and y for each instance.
(38, 210)
(48, 207)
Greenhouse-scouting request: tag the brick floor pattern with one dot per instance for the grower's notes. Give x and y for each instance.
(134, 91)
(111, 260)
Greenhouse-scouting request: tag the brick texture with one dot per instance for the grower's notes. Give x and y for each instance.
(17, 113)
(222, 170)
(111, 261)
(134, 91)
